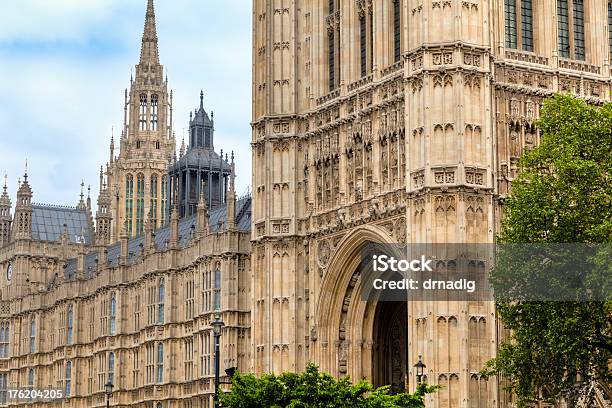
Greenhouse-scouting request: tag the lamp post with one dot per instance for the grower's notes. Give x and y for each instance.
(420, 368)
(217, 324)
(108, 389)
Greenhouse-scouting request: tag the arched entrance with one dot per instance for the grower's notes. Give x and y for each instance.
(365, 339)
(390, 348)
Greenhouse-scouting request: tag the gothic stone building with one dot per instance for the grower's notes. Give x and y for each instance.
(373, 120)
(128, 296)
(397, 121)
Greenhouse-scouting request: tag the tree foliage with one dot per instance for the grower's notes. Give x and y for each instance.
(563, 194)
(314, 389)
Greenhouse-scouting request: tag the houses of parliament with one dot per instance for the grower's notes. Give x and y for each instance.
(388, 121)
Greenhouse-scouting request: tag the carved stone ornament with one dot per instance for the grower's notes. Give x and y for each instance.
(324, 251)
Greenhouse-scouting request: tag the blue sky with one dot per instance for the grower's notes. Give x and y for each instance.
(64, 65)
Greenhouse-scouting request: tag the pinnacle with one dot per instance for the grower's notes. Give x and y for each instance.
(149, 51)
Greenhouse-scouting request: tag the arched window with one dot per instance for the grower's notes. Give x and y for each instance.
(140, 187)
(217, 290)
(68, 380)
(112, 326)
(161, 297)
(111, 367)
(154, 112)
(31, 378)
(143, 112)
(129, 202)
(4, 339)
(33, 336)
(159, 405)
(160, 363)
(164, 199)
(69, 324)
(153, 203)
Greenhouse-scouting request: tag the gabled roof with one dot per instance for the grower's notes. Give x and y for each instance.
(48, 223)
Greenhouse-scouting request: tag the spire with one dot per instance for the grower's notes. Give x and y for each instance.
(149, 52)
(81, 205)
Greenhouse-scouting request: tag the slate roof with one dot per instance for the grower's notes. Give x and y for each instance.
(216, 222)
(201, 158)
(48, 223)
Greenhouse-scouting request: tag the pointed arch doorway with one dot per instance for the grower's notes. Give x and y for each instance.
(390, 351)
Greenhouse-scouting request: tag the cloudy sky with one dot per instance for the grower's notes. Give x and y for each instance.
(64, 65)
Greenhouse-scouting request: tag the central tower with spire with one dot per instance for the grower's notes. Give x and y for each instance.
(136, 178)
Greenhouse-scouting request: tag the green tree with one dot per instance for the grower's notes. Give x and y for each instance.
(563, 194)
(314, 389)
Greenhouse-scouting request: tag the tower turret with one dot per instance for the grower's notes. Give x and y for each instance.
(137, 177)
(22, 224)
(5, 216)
(103, 214)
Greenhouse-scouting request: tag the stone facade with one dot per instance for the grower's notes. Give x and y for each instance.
(396, 121)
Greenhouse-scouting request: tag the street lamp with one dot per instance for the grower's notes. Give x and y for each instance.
(420, 367)
(108, 389)
(217, 325)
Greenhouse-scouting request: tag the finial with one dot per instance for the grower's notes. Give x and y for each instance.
(212, 115)
(89, 191)
(232, 157)
(82, 186)
(201, 99)
(5, 182)
(25, 175)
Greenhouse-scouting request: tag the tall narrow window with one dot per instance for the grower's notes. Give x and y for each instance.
(160, 305)
(31, 378)
(69, 324)
(363, 48)
(111, 367)
(527, 25)
(3, 388)
(68, 380)
(4, 339)
(332, 60)
(164, 199)
(143, 112)
(510, 13)
(397, 31)
(113, 315)
(371, 39)
(333, 32)
(563, 32)
(129, 202)
(160, 363)
(153, 204)
(154, 103)
(610, 27)
(217, 290)
(140, 186)
(578, 29)
(33, 336)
